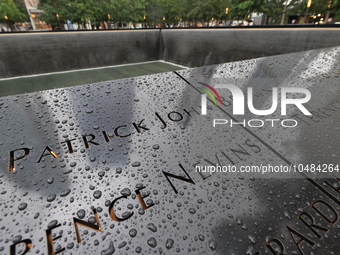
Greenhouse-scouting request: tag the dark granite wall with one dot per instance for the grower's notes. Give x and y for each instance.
(34, 53)
(198, 47)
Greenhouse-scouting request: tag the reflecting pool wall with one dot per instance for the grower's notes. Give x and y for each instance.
(34, 53)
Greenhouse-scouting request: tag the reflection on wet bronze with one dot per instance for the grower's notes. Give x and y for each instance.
(50, 239)
(138, 127)
(69, 145)
(28, 246)
(141, 199)
(86, 224)
(160, 118)
(87, 142)
(112, 211)
(50, 152)
(12, 158)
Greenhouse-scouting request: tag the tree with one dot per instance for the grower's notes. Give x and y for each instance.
(273, 10)
(202, 11)
(9, 13)
(76, 11)
(154, 12)
(335, 8)
(120, 11)
(137, 10)
(55, 12)
(172, 10)
(84, 11)
(20, 4)
(219, 9)
(317, 7)
(240, 9)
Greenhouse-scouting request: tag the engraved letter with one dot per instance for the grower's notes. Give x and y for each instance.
(55, 155)
(87, 142)
(302, 239)
(119, 135)
(167, 175)
(330, 221)
(141, 199)
(69, 145)
(86, 224)
(12, 159)
(160, 118)
(50, 248)
(311, 225)
(112, 211)
(279, 245)
(28, 246)
(137, 127)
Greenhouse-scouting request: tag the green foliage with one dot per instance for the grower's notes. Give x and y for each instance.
(78, 11)
(240, 9)
(172, 11)
(154, 12)
(207, 10)
(54, 11)
(9, 9)
(137, 10)
(317, 7)
(273, 9)
(22, 8)
(336, 10)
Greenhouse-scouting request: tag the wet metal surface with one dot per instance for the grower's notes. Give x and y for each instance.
(111, 167)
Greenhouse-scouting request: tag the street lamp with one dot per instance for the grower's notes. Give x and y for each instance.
(7, 23)
(309, 3)
(57, 15)
(227, 16)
